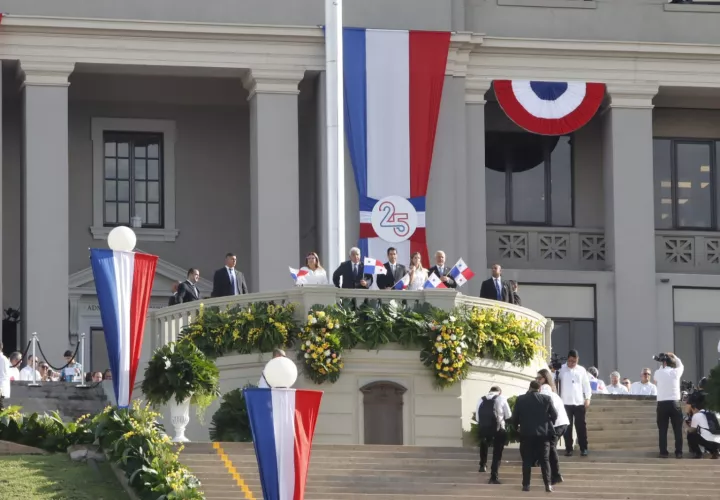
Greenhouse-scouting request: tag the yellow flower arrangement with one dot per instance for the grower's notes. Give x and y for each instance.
(320, 347)
(448, 353)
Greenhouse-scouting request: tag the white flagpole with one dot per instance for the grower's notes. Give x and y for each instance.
(334, 108)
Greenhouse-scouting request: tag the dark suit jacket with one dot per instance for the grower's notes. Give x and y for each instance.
(446, 272)
(222, 287)
(535, 414)
(388, 280)
(349, 281)
(187, 292)
(487, 291)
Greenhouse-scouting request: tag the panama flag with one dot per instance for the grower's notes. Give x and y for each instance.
(393, 82)
(123, 281)
(374, 265)
(461, 273)
(283, 424)
(434, 282)
(298, 274)
(403, 283)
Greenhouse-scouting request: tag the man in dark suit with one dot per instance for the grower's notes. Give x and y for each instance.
(535, 414)
(395, 271)
(187, 291)
(442, 270)
(227, 281)
(352, 272)
(496, 288)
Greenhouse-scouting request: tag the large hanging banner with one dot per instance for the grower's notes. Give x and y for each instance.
(123, 281)
(393, 87)
(549, 108)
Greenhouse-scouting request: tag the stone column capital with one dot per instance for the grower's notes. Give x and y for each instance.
(632, 95)
(475, 90)
(45, 73)
(262, 81)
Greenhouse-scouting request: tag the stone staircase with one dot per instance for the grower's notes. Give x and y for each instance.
(406, 472)
(68, 399)
(623, 423)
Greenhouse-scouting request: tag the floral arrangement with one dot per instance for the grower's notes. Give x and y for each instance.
(447, 352)
(260, 326)
(321, 346)
(500, 335)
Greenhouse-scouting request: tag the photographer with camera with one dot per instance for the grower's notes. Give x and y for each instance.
(667, 379)
(573, 384)
(703, 427)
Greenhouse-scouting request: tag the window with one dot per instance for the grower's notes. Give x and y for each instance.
(696, 345)
(528, 179)
(685, 184)
(578, 334)
(134, 176)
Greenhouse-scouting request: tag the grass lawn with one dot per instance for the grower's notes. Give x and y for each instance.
(56, 477)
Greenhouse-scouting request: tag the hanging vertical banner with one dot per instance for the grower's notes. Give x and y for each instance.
(393, 83)
(283, 425)
(123, 281)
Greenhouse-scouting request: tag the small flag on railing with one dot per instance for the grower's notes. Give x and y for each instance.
(403, 283)
(434, 282)
(461, 273)
(297, 273)
(374, 266)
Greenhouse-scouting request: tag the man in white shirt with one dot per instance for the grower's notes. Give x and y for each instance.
(26, 373)
(597, 386)
(560, 425)
(644, 387)
(491, 428)
(615, 386)
(4, 375)
(699, 430)
(15, 360)
(574, 389)
(668, 403)
(277, 353)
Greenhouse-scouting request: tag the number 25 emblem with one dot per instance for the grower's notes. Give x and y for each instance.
(394, 219)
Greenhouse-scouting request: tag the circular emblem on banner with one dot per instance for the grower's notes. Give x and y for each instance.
(394, 219)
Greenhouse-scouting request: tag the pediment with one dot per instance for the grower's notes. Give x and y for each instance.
(166, 274)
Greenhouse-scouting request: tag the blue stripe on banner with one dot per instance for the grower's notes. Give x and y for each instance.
(260, 413)
(355, 92)
(363, 246)
(103, 266)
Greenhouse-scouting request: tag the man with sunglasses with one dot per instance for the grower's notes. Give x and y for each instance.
(644, 387)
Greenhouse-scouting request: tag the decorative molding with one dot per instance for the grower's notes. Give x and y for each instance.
(461, 44)
(272, 82)
(554, 4)
(639, 96)
(475, 90)
(44, 73)
(166, 127)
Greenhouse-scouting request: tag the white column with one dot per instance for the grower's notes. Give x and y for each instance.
(475, 89)
(630, 224)
(45, 242)
(1, 189)
(275, 219)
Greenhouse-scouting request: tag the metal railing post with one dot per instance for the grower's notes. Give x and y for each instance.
(82, 360)
(34, 382)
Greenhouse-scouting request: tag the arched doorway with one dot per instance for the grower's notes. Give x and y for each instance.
(383, 412)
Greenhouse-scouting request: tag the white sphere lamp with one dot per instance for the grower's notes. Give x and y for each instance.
(280, 373)
(122, 239)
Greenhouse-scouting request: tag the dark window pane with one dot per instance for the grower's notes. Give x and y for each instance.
(123, 213)
(141, 211)
(110, 149)
(662, 166)
(528, 195)
(140, 191)
(123, 150)
(123, 171)
(561, 338)
(686, 350)
(561, 183)
(110, 190)
(153, 213)
(584, 341)
(710, 340)
(495, 196)
(153, 191)
(153, 170)
(694, 192)
(140, 152)
(153, 150)
(110, 213)
(139, 169)
(123, 193)
(110, 168)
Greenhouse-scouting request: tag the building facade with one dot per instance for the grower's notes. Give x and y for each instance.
(207, 122)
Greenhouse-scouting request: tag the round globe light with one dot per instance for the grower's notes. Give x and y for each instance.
(122, 239)
(280, 372)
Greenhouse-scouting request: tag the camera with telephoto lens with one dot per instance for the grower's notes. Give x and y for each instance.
(556, 361)
(662, 358)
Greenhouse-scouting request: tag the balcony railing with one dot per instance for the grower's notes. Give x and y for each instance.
(546, 248)
(164, 325)
(680, 251)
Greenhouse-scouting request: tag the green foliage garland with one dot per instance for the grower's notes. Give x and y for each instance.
(231, 422)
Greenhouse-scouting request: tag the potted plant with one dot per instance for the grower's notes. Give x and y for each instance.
(179, 373)
(231, 423)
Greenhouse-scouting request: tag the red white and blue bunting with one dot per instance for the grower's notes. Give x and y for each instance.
(549, 108)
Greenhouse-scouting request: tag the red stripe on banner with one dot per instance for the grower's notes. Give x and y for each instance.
(367, 230)
(143, 277)
(1, 17)
(307, 407)
(594, 94)
(418, 243)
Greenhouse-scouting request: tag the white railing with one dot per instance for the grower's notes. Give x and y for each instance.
(164, 325)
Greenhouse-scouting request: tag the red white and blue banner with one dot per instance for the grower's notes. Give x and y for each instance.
(283, 424)
(123, 281)
(393, 87)
(549, 108)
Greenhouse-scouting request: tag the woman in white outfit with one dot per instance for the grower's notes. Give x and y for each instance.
(545, 378)
(316, 275)
(418, 275)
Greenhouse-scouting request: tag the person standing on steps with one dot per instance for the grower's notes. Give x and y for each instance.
(574, 389)
(492, 412)
(534, 414)
(547, 387)
(667, 379)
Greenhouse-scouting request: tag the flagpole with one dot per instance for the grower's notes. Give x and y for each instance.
(335, 130)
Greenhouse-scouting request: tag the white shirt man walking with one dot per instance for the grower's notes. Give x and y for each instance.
(574, 388)
(491, 413)
(668, 402)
